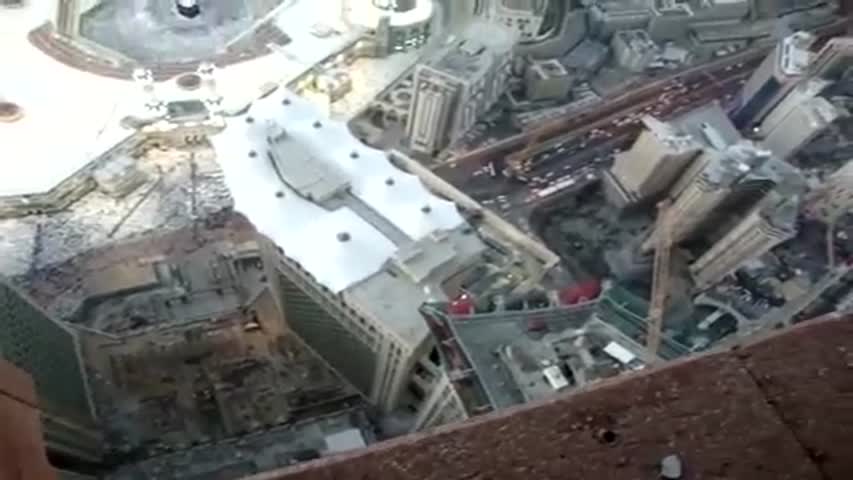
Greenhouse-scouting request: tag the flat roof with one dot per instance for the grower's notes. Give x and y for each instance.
(307, 232)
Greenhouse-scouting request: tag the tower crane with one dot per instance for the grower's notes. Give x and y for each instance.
(660, 279)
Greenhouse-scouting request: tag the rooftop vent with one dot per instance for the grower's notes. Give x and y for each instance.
(344, 237)
(10, 112)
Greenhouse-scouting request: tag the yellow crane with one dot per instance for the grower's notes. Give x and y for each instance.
(660, 279)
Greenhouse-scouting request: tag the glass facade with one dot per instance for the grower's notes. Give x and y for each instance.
(47, 351)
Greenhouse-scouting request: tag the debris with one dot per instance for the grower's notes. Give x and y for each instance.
(670, 467)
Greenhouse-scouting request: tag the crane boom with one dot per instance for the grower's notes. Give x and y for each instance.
(660, 279)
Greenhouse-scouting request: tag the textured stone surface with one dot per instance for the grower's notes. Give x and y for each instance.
(779, 409)
(807, 376)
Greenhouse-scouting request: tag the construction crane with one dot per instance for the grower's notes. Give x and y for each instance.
(660, 279)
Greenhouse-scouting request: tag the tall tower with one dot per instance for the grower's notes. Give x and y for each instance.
(773, 79)
(768, 225)
(659, 155)
(799, 125)
(707, 184)
(50, 353)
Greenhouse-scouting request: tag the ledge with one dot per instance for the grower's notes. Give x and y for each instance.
(775, 409)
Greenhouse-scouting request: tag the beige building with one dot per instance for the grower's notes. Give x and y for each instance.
(773, 79)
(461, 83)
(834, 197)
(803, 92)
(800, 125)
(834, 59)
(659, 155)
(768, 225)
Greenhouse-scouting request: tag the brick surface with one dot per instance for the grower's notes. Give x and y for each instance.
(807, 375)
(22, 451)
(779, 409)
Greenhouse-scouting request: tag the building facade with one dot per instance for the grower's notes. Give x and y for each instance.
(655, 160)
(765, 227)
(50, 353)
(454, 89)
(799, 125)
(777, 75)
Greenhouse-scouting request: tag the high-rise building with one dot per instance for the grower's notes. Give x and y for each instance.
(658, 156)
(50, 353)
(459, 85)
(354, 246)
(770, 223)
(834, 59)
(834, 197)
(773, 79)
(802, 92)
(788, 132)
(706, 184)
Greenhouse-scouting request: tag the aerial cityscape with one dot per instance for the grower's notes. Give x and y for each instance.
(240, 237)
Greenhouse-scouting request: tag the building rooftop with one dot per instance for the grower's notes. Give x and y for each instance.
(474, 52)
(771, 410)
(339, 246)
(796, 55)
(708, 118)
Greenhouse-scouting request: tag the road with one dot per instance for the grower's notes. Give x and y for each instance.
(744, 60)
(573, 159)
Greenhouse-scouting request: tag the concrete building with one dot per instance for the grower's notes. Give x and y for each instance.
(609, 16)
(706, 184)
(834, 59)
(547, 80)
(658, 156)
(803, 92)
(799, 125)
(461, 83)
(772, 222)
(670, 20)
(833, 198)
(355, 246)
(773, 79)
(523, 16)
(49, 352)
(633, 50)
(397, 25)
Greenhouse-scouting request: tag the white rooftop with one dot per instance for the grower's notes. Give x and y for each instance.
(71, 116)
(306, 231)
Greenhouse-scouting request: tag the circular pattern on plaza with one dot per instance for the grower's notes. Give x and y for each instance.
(189, 81)
(10, 112)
